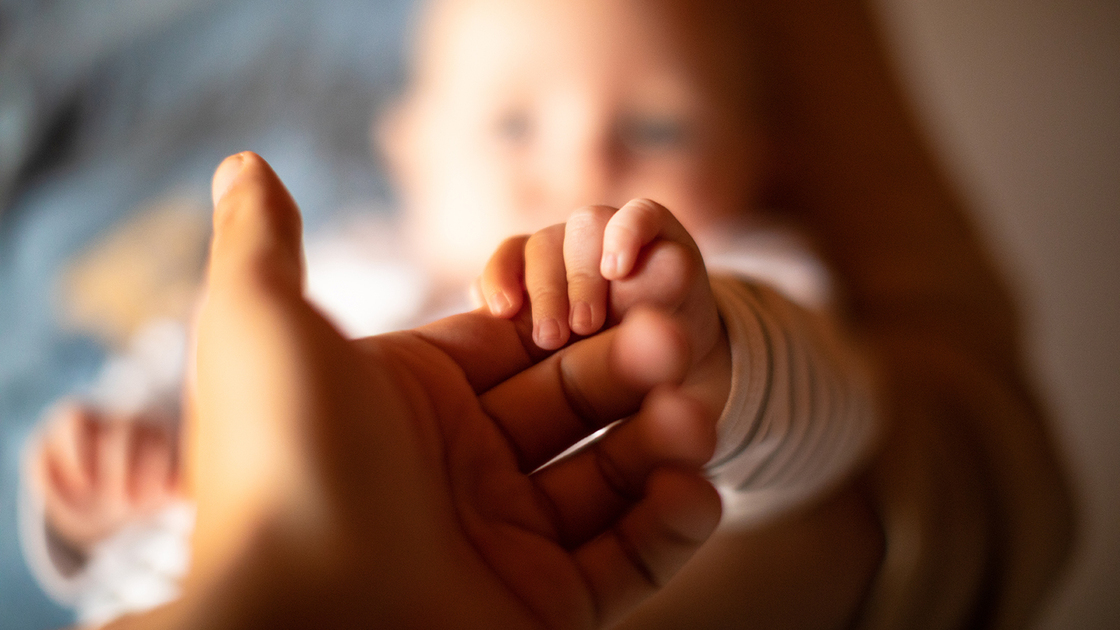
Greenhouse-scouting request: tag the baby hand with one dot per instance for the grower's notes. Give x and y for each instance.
(588, 272)
(98, 473)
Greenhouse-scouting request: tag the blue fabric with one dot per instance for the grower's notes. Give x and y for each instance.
(107, 104)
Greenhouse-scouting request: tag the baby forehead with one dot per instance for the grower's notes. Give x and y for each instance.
(708, 32)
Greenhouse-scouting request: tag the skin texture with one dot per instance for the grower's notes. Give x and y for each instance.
(407, 465)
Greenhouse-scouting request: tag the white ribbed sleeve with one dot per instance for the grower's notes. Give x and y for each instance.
(800, 417)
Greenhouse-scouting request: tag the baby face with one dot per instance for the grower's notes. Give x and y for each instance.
(521, 111)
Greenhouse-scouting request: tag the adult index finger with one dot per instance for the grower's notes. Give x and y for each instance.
(545, 409)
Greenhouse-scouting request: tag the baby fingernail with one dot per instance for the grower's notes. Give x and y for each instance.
(581, 317)
(609, 265)
(548, 333)
(499, 303)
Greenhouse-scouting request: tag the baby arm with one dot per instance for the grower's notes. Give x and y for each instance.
(589, 272)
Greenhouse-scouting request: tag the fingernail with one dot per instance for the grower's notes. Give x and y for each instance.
(499, 303)
(226, 174)
(609, 266)
(582, 318)
(548, 333)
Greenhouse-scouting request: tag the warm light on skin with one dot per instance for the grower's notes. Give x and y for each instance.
(521, 112)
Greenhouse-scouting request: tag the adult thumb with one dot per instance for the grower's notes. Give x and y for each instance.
(241, 384)
(257, 230)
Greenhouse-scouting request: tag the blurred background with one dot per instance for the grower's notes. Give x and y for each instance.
(1021, 99)
(116, 109)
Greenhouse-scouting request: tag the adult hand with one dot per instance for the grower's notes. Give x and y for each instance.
(398, 480)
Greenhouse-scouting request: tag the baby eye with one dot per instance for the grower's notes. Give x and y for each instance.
(513, 128)
(653, 133)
